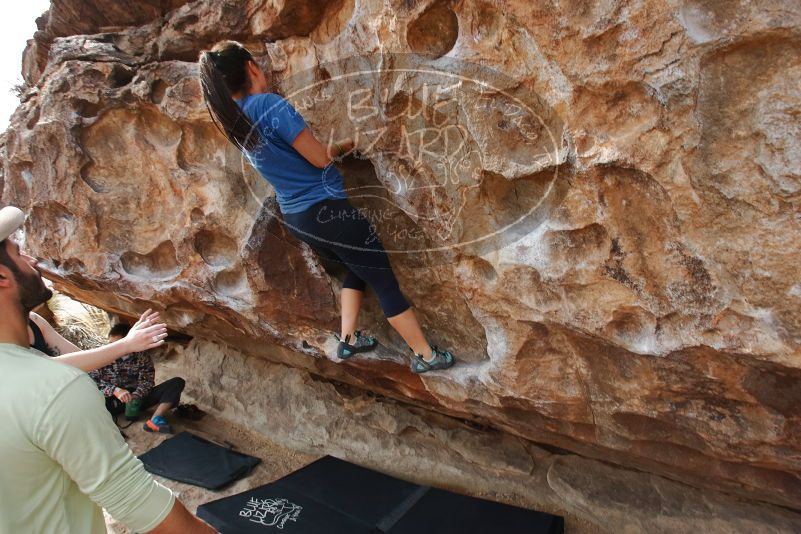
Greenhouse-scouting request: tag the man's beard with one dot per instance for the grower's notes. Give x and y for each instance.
(32, 290)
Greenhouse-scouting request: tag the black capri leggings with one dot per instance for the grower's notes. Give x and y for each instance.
(338, 231)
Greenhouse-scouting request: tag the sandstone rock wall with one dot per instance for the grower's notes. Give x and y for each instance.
(616, 265)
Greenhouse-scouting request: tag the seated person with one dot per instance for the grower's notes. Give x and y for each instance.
(132, 377)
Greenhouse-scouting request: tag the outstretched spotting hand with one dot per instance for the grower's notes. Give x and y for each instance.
(147, 333)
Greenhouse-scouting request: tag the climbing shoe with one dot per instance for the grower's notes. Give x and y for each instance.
(361, 343)
(189, 411)
(440, 359)
(158, 424)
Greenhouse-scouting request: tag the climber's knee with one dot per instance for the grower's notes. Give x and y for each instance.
(353, 282)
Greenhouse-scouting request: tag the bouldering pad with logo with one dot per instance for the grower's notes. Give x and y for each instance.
(331, 496)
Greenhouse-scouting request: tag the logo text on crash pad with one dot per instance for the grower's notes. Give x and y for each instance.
(270, 512)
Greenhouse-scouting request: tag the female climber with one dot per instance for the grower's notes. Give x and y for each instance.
(310, 193)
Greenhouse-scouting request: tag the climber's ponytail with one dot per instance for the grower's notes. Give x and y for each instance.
(223, 71)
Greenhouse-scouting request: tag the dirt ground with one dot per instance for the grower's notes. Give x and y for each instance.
(276, 462)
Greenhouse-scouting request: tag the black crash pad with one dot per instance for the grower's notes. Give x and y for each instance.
(331, 496)
(194, 460)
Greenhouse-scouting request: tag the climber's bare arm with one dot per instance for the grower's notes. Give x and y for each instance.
(317, 153)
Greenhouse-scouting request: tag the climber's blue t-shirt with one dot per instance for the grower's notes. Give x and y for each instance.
(298, 184)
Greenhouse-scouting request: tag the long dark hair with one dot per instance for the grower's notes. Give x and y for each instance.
(223, 72)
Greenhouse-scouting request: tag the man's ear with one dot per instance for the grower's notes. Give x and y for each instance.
(6, 277)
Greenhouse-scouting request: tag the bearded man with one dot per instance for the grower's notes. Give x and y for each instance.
(63, 457)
